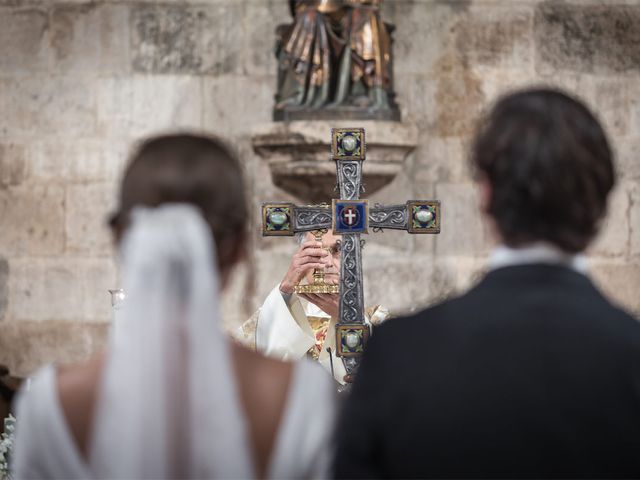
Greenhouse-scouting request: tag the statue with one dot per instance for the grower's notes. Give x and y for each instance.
(335, 62)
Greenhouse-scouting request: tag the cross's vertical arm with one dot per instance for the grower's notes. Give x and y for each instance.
(348, 150)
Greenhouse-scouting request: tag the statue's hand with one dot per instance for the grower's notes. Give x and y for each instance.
(310, 255)
(327, 302)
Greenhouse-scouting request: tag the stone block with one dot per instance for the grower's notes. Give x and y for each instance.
(26, 346)
(13, 164)
(83, 160)
(619, 281)
(87, 213)
(612, 100)
(499, 81)
(442, 160)
(613, 238)
(416, 99)
(459, 97)
(187, 39)
(463, 229)
(423, 31)
(423, 281)
(627, 158)
(23, 39)
(90, 37)
(60, 288)
(4, 287)
(139, 105)
(47, 106)
(634, 213)
(594, 38)
(235, 104)
(496, 35)
(32, 220)
(259, 40)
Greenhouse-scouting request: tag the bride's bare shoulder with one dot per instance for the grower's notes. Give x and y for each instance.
(77, 392)
(78, 378)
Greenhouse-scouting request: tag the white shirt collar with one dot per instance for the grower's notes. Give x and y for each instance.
(537, 252)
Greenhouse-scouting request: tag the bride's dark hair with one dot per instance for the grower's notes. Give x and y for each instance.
(188, 168)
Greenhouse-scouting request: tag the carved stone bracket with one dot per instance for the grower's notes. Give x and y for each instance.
(298, 155)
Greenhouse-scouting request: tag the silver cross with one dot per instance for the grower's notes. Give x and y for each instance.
(350, 217)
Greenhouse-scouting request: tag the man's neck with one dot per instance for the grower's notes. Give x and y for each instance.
(536, 252)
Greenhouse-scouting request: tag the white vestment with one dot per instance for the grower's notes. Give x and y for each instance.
(281, 329)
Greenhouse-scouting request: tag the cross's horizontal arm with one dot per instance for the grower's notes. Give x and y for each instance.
(415, 216)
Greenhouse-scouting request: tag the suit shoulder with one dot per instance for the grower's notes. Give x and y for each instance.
(425, 318)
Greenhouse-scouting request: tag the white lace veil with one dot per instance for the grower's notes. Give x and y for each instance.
(168, 405)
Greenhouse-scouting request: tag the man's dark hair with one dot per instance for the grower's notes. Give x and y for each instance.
(186, 168)
(550, 168)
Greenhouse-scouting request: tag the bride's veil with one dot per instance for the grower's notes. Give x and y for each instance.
(168, 405)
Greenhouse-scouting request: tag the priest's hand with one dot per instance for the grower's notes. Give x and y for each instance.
(328, 303)
(310, 255)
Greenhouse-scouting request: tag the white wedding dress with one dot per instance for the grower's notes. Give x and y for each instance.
(168, 404)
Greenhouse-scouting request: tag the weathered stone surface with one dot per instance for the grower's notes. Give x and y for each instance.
(4, 287)
(193, 39)
(416, 97)
(634, 213)
(423, 31)
(499, 81)
(613, 239)
(459, 97)
(23, 40)
(26, 346)
(498, 34)
(13, 164)
(58, 161)
(47, 106)
(88, 210)
(60, 288)
(259, 40)
(628, 158)
(612, 99)
(442, 160)
(463, 230)
(618, 280)
(587, 38)
(423, 281)
(90, 37)
(32, 220)
(136, 106)
(232, 103)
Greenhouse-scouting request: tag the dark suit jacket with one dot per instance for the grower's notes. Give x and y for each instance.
(532, 373)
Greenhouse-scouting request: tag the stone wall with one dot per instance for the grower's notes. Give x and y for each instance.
(81, 81)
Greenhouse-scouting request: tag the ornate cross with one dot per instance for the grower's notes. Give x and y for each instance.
(350, 217)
